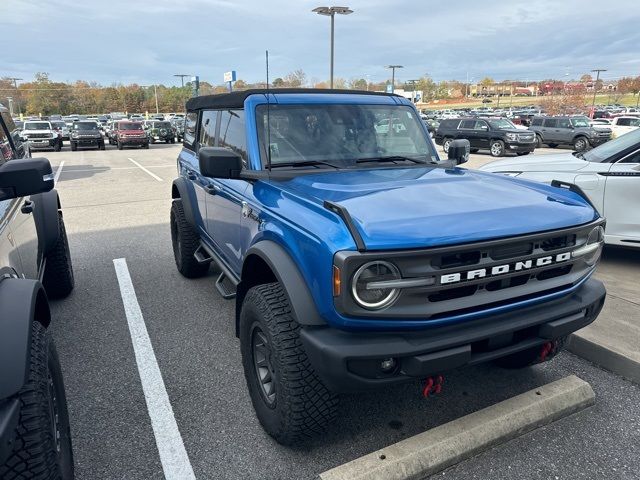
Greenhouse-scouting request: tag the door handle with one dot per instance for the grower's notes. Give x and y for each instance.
(27, 207)
(192, 176)
(212, 189)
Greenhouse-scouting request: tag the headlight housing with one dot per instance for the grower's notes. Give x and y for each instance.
(591, 250)
(364, 289)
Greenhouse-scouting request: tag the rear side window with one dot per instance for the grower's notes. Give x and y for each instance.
(190, 122)
(536, 122)
(208, 128)
(232, 133)
(551, 122)
(467, 124)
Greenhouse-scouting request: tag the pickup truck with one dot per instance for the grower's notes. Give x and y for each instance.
(359, 259)
(621, 125)
(41, 135)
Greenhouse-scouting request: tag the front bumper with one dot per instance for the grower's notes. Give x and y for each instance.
(134, 140)
(348, 361)
(88, 142)
(595, 141)
(520, 147)
(46, 143)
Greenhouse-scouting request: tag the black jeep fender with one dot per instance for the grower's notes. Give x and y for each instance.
(182, 190)
(45, 214)
(287, 273)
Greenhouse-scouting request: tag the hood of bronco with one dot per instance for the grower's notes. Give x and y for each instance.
(400, 208)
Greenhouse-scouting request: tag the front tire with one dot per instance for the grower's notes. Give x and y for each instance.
(119, 145)
(42, 447)
(74, 146)
(58, 279)
(185, 241)
(289, 399)
(580, 144)
(497, 148)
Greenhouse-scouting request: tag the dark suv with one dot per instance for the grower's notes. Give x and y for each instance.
(498, 135)
(160, 131)
(86, 134)
(35, 263)
(576, 131)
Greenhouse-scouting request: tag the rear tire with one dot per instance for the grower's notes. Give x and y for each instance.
(531, 356)
(539, 143)
(185, 241)
(497, 148)
(58, 280)
(446, 143)
(42, 448)
(289, 399)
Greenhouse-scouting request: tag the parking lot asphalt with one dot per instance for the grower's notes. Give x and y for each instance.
(115, 209)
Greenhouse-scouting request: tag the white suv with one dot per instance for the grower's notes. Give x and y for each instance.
(41, 135)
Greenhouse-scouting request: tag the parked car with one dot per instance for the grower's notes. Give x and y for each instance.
(61, 127)
(160, 131)
(608, 174)
(126, 134)
(35, 438)
(622, 125)
(86, 133)
(41, 135)
(498, 135)
(178, 127)
(562, 130)
(358, 259)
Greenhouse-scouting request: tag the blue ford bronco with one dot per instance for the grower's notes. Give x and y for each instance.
(358, 258)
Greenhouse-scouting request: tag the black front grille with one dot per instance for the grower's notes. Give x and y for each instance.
(38, 135)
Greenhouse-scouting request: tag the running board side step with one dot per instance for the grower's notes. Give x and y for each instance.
(226, 283)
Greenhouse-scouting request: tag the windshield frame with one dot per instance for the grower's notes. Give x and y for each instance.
(43, 125)
(630, 142)
(494, 121)
(581, 118)
(77, 125)
(428, 158)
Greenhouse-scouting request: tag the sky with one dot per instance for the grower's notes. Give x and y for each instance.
(147, 42)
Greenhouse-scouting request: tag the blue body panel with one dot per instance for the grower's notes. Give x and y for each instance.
(393, 208)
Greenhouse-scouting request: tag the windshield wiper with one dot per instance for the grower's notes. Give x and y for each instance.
(306, 163)
(389, 158)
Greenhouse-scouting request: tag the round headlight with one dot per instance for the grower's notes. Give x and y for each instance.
(364, 289)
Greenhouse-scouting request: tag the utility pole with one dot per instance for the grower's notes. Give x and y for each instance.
(15, 84)
(155, 92)
(595, 88)
(393, 76)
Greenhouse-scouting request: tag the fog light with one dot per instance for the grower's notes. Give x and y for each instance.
(387, 365)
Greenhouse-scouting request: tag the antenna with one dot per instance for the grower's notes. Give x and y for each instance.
(268, 116)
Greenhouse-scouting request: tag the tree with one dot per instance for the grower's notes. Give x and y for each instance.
(564, 104)
(278, 83)
(586, 78)
(358, 84)
(339, 83)
(295, 79)
(240, 85)
(487, 81)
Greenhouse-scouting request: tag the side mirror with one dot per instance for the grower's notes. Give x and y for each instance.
(459, 151)
(216, 162)
(19, 178)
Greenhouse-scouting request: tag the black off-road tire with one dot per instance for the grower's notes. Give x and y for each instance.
(539, 142)
(446, 143)
(531, 356)
(185, 241)
(301, 406)
(146, 146)
(58, 280)
(42, 448)
(119, 145)
(58, 146)
(580, 144)
(521, 154)
(74, 146)
(496, 148)
(474, 150)
(101, 146)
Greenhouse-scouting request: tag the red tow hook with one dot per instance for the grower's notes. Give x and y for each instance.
(547, 348)
(432, 385)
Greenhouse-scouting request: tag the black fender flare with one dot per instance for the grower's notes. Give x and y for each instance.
(45, 215)
(288, 274)
(22, 302)
(181, 189)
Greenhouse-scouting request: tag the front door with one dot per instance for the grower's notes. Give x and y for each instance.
(622, 199)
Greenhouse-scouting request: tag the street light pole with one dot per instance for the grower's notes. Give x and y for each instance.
(393, 76)
(595, 88)
(15, 84)
(182, 76)
(331, 12)
(155, 92)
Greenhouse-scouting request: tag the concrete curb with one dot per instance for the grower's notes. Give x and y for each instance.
(602, 356)
(434, 450)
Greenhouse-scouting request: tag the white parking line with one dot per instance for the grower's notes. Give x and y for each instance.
(145, 170)
(173, 456)
(58, 172)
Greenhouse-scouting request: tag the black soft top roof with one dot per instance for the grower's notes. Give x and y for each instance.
(236, 99)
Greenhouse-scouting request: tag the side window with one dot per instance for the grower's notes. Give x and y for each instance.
(624, 122)
(536, 122)
(632, 158)
(564, 123)
(232, 133)
(551, 122)
(14, 133)
(6, 152)
(481, 125)
(467, 124)
(190, 122)
(208, 128)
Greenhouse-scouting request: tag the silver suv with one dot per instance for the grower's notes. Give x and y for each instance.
(568, 130)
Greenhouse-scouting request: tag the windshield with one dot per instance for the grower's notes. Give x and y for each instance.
(605, 151)
(85, 126)
(501, 124)
(161, 125)
(130, 126)
(580, 122)
(342, 134)
(37, 126)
